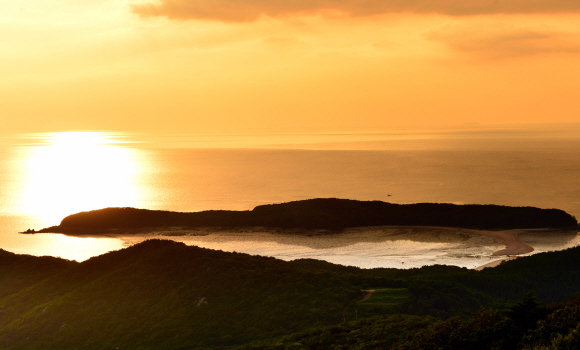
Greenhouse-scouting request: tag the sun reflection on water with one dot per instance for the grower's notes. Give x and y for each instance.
(76, 171)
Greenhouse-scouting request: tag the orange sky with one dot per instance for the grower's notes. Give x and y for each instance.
(210, 65)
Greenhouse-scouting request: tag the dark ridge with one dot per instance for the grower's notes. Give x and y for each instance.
(19, 271)
(324, 213)
(166, 295)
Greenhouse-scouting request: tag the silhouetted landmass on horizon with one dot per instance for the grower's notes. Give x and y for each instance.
(323, 213)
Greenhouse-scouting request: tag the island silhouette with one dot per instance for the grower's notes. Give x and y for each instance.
(331, 214)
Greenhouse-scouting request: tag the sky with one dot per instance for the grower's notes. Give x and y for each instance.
(286, 65)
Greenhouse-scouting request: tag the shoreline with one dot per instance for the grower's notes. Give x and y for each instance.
(496, 262)
(364, 247)
(509, 238)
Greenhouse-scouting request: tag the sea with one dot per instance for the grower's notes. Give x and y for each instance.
(47, 176)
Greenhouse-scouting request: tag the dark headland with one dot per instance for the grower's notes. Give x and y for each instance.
(322, 213)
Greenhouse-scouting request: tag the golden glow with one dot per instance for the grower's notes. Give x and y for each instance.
(78, 171)
(108, 65)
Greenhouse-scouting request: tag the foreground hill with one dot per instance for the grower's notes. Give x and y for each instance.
(161, 294)
(166, 295)
(329, 213)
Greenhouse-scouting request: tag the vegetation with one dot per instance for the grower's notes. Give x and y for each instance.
(166, 295)
(323, 213)
(162, 294)
(523, 325)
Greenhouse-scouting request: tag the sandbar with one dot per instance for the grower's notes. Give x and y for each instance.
(509, 238)
(367, 247)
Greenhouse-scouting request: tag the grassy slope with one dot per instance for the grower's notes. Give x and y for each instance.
(18, 272)
(146, 297)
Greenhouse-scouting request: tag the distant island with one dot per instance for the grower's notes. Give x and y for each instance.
(331, 214)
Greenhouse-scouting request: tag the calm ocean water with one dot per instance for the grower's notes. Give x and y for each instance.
(46, 177)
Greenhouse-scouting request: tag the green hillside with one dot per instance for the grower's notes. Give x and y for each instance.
(166, 295)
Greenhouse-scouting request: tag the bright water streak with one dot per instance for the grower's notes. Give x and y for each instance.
(55, 175)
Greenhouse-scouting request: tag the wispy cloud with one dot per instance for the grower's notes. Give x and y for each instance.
(507, 41)
(251, 10)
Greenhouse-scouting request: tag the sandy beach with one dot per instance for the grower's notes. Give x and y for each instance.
(369, 247)
(509, 238)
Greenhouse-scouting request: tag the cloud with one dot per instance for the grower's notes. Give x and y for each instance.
(507, 41)
(251, 10)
